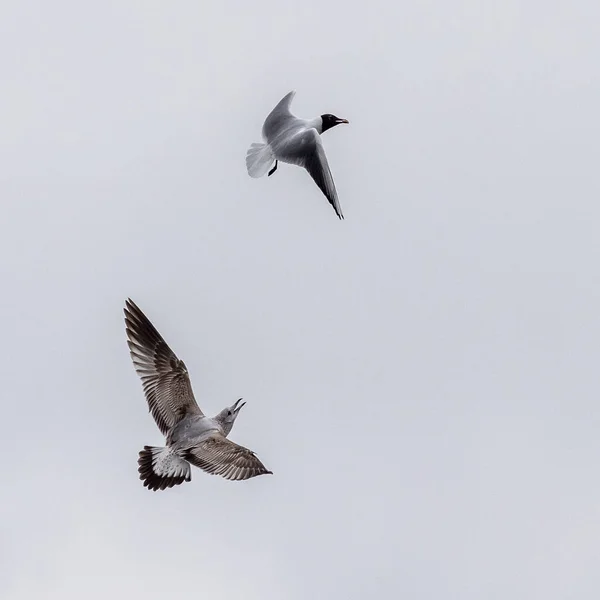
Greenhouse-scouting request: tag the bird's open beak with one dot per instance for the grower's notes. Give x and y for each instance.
(237, 408)
(343, 121)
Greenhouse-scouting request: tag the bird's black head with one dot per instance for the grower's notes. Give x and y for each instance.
(330, 121)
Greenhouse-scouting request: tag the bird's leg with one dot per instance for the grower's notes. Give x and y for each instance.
(272, 170)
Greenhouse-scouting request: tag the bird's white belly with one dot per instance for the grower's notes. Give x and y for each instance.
(287, 141)
(192, 429)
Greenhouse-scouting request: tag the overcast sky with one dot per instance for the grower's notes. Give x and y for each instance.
(422, 378)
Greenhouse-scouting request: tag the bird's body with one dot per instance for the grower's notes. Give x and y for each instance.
(191, 436)
(296, 141)
(192, 429)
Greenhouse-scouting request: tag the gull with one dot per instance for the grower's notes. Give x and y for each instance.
(290, 139)
(191, 436)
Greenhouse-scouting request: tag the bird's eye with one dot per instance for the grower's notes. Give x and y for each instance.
(229, 413)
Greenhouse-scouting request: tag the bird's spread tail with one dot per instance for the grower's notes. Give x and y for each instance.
(161, 468)
(259, 159)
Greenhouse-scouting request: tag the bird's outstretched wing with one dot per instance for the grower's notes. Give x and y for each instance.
(219, 456)
(306, 150)
(278, 117)
(164, 377)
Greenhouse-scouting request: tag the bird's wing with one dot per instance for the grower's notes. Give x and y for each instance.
(164, 377)
(306, 150)
(278, 117)
(219, 456)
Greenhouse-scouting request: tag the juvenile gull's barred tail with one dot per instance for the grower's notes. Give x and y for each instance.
(155, 481)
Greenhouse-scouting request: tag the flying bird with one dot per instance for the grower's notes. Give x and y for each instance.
(191, 436)
(290, 139)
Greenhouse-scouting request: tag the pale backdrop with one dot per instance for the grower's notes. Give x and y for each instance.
(422, 377)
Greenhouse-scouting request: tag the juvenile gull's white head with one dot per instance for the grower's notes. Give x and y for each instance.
(228, 416)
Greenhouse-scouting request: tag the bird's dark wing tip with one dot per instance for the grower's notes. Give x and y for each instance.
(130, 306)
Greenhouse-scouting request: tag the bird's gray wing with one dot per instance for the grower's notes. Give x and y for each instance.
(278, 117)
(164, 377)
(219, 456)
(306, 150)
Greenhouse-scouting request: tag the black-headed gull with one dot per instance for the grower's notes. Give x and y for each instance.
(296, 141)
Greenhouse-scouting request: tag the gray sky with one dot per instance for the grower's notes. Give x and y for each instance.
(422, 377)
